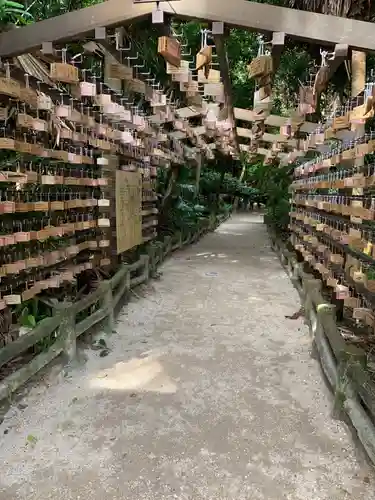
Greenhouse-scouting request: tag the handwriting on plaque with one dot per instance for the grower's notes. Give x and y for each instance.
(128, 210)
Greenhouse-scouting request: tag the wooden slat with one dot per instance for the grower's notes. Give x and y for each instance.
(266, 137)
(248, 115)
(177, 134)
(261, 151)
(189, 112)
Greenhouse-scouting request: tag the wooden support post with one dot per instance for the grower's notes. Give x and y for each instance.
(168, 245)
(358, 86)
(67, 333)
(107, 303)
(350, 356)
(198, 173)
(151, 252)
(224, 69)
(145, 259)
(109, 171)
(278, 42)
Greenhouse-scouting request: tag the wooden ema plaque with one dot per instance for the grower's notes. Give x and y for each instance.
(120, 71)
(204, 58)
(261, 66)
(170, 49)
(128, 210)
(63, 72)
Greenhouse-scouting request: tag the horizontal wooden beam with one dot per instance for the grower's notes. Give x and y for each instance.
(189, 112)
(266, 137)
(265, 18)
(178, 134)
(261, 151)
(309, 26)
(247, 115)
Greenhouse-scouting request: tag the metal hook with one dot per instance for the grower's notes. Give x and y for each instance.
(186, 53)
(75, 58)
(132, 58)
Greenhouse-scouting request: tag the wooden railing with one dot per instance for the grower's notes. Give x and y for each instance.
(64, 324)
(344, 364)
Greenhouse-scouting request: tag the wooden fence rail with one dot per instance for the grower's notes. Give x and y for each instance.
(343, 364)
(64, 325)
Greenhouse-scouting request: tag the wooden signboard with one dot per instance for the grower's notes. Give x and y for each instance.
(128, 210)
(62, 72)
(136, 85)
(177, 70)
(260, 67)
(191, 86)
(212, 77)
(194, 99)
(213, 89)
(204, 57)
(183, 76)
(170, 49)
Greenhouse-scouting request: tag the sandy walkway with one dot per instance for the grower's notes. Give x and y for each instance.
(208, 393)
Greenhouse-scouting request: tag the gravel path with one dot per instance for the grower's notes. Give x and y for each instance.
(208, 393)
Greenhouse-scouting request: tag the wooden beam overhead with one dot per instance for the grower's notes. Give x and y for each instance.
(309, 26)
(264, 18)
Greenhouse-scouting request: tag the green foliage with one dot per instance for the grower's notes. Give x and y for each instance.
(31, 312)
(187, 206)
(272, 184)
(41, 9)
(13, 12)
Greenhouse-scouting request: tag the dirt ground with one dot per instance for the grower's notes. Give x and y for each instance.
(208, 392)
